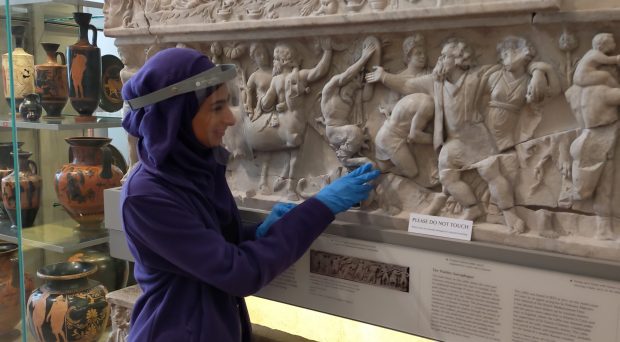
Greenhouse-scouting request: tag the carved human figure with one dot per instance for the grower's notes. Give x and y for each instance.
(337, 102)
(259, 80)
(588, 72)
(280, 121)
(508, 118)
(414, 57)
(457, 86)
(596, 109)
(406, 121)
(405, 125)
(120, 324)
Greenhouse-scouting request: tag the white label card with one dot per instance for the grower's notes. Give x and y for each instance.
(440, 226)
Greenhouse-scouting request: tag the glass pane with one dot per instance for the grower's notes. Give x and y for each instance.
(54, 221)
(17, 80)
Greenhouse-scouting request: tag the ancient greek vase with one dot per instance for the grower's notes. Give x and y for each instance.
(111, 272)
(69, 306)
(10, 313)
(23, 69)
(79, 185)
(51, 80)
(6, 167)
(84, 65)
(30, 191)
(30, 109)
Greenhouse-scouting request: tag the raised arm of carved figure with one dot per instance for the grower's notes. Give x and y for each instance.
(322, 67)
(356, 67)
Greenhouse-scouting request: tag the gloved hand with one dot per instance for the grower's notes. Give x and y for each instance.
(277, 211)
(346, 191)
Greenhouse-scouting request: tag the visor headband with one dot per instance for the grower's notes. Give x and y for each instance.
(214, 76)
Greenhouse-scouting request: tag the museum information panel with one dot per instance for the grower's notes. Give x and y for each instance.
(448, 297)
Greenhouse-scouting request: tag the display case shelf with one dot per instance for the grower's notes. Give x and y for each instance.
(92, 4)
(60, 235)
(66, 123)
(96, 20)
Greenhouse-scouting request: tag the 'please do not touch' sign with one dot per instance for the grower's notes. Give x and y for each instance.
(440, 226)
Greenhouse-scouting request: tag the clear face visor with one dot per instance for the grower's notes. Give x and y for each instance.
(197, 83)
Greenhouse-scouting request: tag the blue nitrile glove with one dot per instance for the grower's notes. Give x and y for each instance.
(349, 190)
(277, 211)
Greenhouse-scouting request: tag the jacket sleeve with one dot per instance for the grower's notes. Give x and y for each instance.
(177, 242)
(248, 232)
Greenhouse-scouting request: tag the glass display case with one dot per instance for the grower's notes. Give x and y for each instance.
(60, 116)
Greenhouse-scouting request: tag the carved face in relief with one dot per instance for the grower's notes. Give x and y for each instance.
(417, 58)
(284, 57)
(414, 51)
(514, 59)
(515, 53)
(258, 53)
(604, 42)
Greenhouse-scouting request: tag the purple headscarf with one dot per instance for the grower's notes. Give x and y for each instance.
(167, 145)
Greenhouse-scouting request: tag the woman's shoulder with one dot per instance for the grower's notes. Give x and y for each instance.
(142, 183)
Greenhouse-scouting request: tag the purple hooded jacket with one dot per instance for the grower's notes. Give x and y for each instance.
(195, 261)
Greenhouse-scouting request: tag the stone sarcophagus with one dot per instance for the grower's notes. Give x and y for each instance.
(501, 112)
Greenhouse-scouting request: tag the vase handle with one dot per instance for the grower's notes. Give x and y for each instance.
(33, 167)
(63, 60)
(94, 29)
(106, 170)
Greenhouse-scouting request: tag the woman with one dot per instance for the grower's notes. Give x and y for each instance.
(194, 260)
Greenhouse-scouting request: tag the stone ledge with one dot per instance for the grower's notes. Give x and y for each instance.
(455, 16)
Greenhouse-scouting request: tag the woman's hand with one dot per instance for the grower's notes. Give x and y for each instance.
(276, 213)
(349, 190)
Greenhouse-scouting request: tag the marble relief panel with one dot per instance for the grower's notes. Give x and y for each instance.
(144, 13)
(512, 127)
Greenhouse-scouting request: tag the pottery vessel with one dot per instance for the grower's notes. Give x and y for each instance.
(23, 69)
(51, 80)
(111, 272)
(6, 167)
(10, 314)
(69, 306)
(79, 185)
(84, 65)
(30, 191)
(30, 109)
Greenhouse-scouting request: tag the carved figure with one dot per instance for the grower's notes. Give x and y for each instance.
(259, 81)
(415, 59)
(509, 93)
(280, 123)
(596, 109)
(337, 102)
(588, 71)
(120, 324)
(404, 125)
(463, 141)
